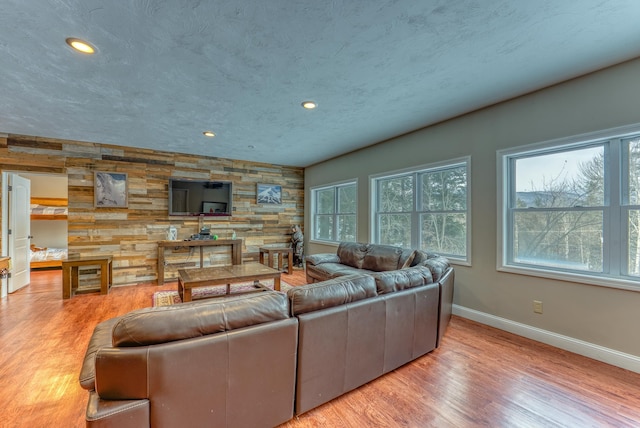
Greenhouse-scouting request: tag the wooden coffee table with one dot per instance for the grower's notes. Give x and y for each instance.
(225, 275)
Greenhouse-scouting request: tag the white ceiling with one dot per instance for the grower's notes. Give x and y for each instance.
(166, 70)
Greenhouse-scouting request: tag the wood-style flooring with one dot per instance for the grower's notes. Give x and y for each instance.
(479, 377)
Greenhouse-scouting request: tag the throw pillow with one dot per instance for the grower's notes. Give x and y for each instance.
(408, 260)
(381, 258)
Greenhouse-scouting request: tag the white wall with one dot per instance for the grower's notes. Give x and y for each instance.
(601, 316)
(49, 233)
(48, 185)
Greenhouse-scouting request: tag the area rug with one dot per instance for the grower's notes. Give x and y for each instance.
(165, 298)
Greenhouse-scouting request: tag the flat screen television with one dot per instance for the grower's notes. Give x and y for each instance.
(200, 197)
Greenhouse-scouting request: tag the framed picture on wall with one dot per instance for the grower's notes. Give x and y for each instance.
(110, 190)
(269, 194)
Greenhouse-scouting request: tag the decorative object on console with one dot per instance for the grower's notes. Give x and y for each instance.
(297, 243)
(172, 234)
(269, 194)
(110, 189)
(205, 233)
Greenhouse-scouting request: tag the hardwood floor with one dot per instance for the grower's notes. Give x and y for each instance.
(478, 377)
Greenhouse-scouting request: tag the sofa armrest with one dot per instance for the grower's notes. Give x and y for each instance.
(121, 373)
(446, 302)
(117, 414)
(101, 338)
(317, 259)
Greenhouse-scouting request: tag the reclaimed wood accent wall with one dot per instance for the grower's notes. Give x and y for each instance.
(131, 234)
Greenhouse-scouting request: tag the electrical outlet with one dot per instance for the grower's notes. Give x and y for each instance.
(537, 306)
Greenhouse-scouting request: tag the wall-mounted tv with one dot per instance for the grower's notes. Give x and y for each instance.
(200, 197)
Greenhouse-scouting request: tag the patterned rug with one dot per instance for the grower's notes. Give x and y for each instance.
(165, 298)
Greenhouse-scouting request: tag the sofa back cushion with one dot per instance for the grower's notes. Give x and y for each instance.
(381, 257)
(436, 263)
(352, 253)
(333, 292)
(388, 282)
(149, 326)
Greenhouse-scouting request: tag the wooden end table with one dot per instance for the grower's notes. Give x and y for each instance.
(70, 268)
(225, 275)
(280, 251)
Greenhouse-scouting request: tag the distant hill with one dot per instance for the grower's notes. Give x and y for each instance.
(546, 199)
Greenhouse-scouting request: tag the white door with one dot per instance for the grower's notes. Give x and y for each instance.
(19, 231)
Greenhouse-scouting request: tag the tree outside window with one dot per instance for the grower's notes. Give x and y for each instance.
(576, 208)
(426, 209)
(335, 210)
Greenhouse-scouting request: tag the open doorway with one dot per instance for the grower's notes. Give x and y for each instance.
(47, 218)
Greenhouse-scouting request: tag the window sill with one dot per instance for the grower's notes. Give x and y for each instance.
(602, 281)
(330, 243)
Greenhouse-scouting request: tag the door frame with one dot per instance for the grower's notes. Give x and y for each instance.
(4, 225)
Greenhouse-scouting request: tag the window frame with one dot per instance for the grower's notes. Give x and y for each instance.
(615, 212)
(416, 171)
(314, 206)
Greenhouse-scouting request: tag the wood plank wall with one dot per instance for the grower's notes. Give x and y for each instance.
(130, 234)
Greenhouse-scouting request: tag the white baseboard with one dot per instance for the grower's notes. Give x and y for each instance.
(597, 352)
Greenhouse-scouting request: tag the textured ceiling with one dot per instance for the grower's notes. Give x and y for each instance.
(166, 70)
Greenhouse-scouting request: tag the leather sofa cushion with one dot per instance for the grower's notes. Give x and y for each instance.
(388, 282)
(316, 259)
(149, 326)
(352, 254)
(437, 264)
(381, 258)
(334, 292)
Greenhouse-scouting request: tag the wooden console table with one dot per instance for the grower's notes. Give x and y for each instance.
(235, 244)
(70, 272)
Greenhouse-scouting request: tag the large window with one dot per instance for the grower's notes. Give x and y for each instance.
(425, 208)
(334, 212)
(574, 208)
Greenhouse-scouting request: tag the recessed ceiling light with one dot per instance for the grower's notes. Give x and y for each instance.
(81, 45)
(209, 134)
(309, 105)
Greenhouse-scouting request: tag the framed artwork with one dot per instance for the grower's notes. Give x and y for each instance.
(110, 190)
(269, 194)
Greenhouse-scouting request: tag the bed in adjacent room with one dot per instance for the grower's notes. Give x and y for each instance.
(44, 255)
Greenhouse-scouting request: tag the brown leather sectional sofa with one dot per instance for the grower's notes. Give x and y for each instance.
(389, 265)
(256, 360)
